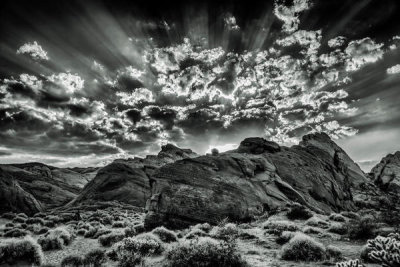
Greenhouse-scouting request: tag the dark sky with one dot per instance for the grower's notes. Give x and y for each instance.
(83, 82)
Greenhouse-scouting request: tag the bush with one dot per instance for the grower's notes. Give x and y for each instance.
(277, 227)
(165, 235)
(285, 237)
(129, 231)
(35, 220)
(19, 219)
(303, 248)
(16, 232)
(118, 224)
(81, 232)
(225, 232)
(101, 232)
(195, 233)
(333, 253)
(111, 238)
(55, 239)
(337, 217)
(96, 257)
(299, 212)
(140, 228)
(11, 225)
(91, 232)
(143, 244)
(311, 230)
(9, 215)
(41, 230)
(25, 250)
(49, 223)
(72, 261)
(206, 227)
(362, 229)
(317, 222)
(205, 252)
(338, 228)
(23, 225)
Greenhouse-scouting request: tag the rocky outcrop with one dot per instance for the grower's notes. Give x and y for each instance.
(129, 180)
(258, 176)
(387, 171)
(14, 198)
(49, 186)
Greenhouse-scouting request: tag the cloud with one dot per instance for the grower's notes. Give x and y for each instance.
(34, 50)
(394, 69)
(361, 52)
(290, 14)
(68, 81)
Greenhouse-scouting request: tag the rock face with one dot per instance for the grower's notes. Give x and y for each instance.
(48, 186)
(14, 198)
(387, 171)
(129, 180)
(258, 176)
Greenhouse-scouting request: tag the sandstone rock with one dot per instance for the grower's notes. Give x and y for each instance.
(129, 180)
(387, 171)
(258, 176)
(14, 198)
(50, 186)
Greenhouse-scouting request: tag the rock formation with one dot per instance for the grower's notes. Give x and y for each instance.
(258, 176)
(387, 171)
(129, 180)
(49, 186)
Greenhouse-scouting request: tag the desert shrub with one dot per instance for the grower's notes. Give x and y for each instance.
(362, 229)
(129, 231)
(40, 214)
(338, 228)
(277, 227)
(303, 248)
(111, 238)
(35, 220)
(333, 253)
(140, 228)
(350, 214)
(195, 233)
(16, 232)
(349, 263)
(101, 232)
(8, 215)
(19, 219)
(81, 232)
(165, 235)
(11, 225)
(41, 230)
(49, 223)
(385, 250)
(55, 239)
(317, 222)
(299, 212)
(284, 237)
(311, 230)
(96, 257)
(119, 224)
(23, 225)
(15, 250)
(21, 214)
(144, 244)
(91, 232)
(72, 261)
(225, 232)
(206, 227)
(107, 220)
(337, 217)
(54, 218)
(205, 252)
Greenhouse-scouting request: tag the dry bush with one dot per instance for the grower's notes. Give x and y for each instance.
(277, 227)
(299, 212)
(21, 250)
(337, 217)
(338, 228)
(16, 232)
(111, 238)
(165, 235)
(55, 239)
(205, 252)
(303, 248)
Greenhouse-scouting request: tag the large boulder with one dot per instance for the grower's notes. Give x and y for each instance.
(14, 198)
(387, 171)
(129, 180)
(257, 177)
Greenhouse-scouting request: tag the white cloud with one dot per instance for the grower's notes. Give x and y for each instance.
(70, 82)
(337, 42)
(394, 69)
(361, 52)
(34, 50)
(290, 14)
(138, 96)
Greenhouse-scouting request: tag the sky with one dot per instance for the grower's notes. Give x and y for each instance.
(86, 82)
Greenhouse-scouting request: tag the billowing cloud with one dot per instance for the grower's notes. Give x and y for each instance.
(34, 50)
(290, 14)
(394, 69)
